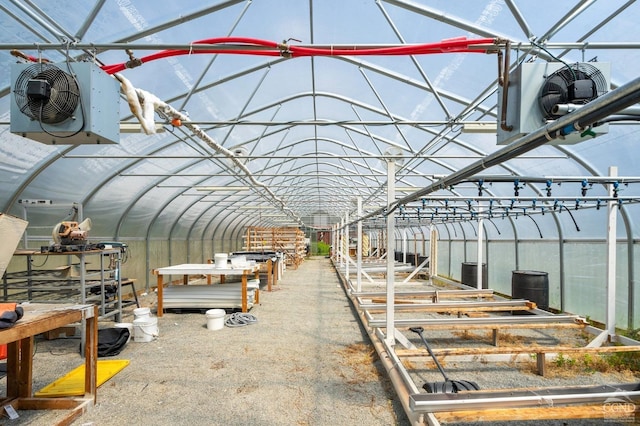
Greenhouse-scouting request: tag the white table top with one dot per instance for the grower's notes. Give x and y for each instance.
(205, 269)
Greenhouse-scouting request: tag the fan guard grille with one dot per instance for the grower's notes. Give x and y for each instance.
(64, 98)
(557, 88)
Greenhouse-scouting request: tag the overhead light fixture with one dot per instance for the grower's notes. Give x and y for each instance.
(222, 188)
(407, 188)
(131, 127)
(480, 127)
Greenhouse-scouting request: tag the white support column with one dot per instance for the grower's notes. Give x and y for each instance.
(479, 271)
(404, 246)
(335, 243)
(611, 258)
(359, 248)
(347, 255)
(341, 248)
(433, 251)
(391, 195)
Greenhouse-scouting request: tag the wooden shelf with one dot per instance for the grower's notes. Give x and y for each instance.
(290, 241)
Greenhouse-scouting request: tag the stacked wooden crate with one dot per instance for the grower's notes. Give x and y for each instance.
(288, 240)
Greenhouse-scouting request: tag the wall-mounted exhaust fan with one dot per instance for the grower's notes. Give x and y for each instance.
(75, 104)
(569, 88)
(541, 92)
(47, 94)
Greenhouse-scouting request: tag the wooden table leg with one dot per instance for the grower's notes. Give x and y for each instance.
(257, 291)
(244, 292)
(91, 355)
(20, 368)
(25, 375)
(269, 274)
(160, 286)
(13, 368)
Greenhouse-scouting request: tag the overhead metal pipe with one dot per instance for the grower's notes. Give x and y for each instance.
(521, 46)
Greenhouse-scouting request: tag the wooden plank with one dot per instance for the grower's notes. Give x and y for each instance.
(455, 310)
(477, 314)
(398, 301)
(46, 403)
(449, 326)
(513, 350)
(429, 294)
(538, 413)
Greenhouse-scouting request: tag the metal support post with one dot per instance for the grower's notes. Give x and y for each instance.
(611, 257)
(359, 248)
(391, 198)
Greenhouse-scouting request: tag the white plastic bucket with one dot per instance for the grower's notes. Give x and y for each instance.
(126, 325)
(141, 313)
(215, 319)
(220, 260)
(145, 329)
(239, 262)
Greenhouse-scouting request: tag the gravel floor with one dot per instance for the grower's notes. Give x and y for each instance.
(305, 362)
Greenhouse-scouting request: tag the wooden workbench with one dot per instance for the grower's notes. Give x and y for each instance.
(207, 269)
(37, 319)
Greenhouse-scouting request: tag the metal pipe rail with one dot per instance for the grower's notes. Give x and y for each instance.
(427, 293)
(478, 400)
(516, 304)
(509, 321)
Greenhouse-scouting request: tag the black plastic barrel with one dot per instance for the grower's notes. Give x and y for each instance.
(531, 285)
(470, 274)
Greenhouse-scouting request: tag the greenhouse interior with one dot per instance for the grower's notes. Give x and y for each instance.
(457, 178)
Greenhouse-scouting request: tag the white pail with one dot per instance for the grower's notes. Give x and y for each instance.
(239, 262)
(126, 325)
(141, 313)
(145, 329)
(220, 260)
(215, 319)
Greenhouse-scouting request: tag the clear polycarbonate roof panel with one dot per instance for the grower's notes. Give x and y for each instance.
(311, 131)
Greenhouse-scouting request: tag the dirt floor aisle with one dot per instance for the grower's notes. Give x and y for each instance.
(305, 362)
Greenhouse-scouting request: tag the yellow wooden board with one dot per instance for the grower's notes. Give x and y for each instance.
(72, 383)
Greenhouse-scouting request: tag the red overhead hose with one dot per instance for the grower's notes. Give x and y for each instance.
(252, 46)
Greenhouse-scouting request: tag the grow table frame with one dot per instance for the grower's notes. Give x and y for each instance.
(207, 269)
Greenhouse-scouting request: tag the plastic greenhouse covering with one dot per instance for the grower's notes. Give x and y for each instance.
(286, 113)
